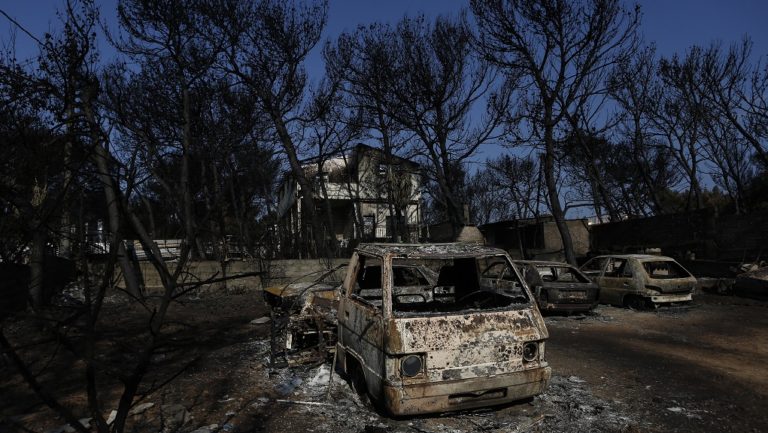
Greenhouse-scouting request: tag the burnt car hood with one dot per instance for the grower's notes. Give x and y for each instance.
(295, 296)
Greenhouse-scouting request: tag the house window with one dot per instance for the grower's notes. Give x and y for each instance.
(369, 226)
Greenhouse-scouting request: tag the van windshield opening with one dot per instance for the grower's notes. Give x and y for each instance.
(455, 285)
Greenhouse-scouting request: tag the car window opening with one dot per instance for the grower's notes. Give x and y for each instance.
(560, 274)
(665, 270)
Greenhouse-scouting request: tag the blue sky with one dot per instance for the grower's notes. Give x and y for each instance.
(674, 25)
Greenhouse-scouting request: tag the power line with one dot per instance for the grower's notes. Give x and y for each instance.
(16, 23)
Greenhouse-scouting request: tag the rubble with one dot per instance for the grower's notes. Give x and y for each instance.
(568, 405)
(753, 283)
(174, 416)
(260, 320)
(140, 408)
(206, 429)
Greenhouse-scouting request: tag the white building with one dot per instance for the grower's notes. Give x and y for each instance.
(371, 197)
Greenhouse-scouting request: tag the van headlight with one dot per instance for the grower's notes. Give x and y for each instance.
(411, 365)
(530, 351)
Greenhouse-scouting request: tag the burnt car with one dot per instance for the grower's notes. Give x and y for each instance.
(559, 286)
(640, 281)
(303, 319)
(472, 337)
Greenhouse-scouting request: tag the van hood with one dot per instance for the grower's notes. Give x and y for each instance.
(467, 345)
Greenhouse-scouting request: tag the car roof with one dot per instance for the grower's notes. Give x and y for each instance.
(542, 262)
(442, 250)
(643, 257)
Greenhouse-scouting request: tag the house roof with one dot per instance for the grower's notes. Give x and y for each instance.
(356, 149)
(338, 160)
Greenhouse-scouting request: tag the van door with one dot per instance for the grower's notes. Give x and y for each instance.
(362, 323)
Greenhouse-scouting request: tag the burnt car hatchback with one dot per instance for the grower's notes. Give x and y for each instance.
(559, 286)
(640, 281)
(459, 330)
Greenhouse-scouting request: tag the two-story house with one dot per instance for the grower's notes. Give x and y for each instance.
(361, 194)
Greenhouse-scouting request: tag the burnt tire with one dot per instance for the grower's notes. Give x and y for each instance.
(543, 298)
(636, 303)
(357, 379)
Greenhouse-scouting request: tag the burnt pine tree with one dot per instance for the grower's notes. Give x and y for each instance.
(268, 41)
(74, 334)
(635, 88)
(175, 46)
(441, 80)
(363, 63)
(561, 50)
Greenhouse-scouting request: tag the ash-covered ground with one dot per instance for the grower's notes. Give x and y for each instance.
(701, 368)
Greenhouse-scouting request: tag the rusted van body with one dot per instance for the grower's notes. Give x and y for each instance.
(439, 327)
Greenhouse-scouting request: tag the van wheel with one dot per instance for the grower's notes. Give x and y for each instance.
(635, 303)
(357, 381)
(357, 378)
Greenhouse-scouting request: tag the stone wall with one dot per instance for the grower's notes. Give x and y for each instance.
(273, 272)
(203, 270)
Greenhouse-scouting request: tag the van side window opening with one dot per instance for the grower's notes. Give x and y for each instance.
(453, 285)
(368, 282)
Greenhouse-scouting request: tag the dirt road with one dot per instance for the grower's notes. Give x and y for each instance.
(703, 368)
(697, 369)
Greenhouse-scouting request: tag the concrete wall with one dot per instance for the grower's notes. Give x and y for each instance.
(295, 270)
(553, 242)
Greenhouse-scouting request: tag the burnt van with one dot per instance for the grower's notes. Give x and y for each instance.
(439, 327)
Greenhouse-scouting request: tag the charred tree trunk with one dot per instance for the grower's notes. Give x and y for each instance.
(102, 159)
(37, 265)
(309, 214)
(554, 198)
(188, 205)
(642, 165)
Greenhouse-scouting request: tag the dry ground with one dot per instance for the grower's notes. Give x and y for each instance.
(702, 368)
